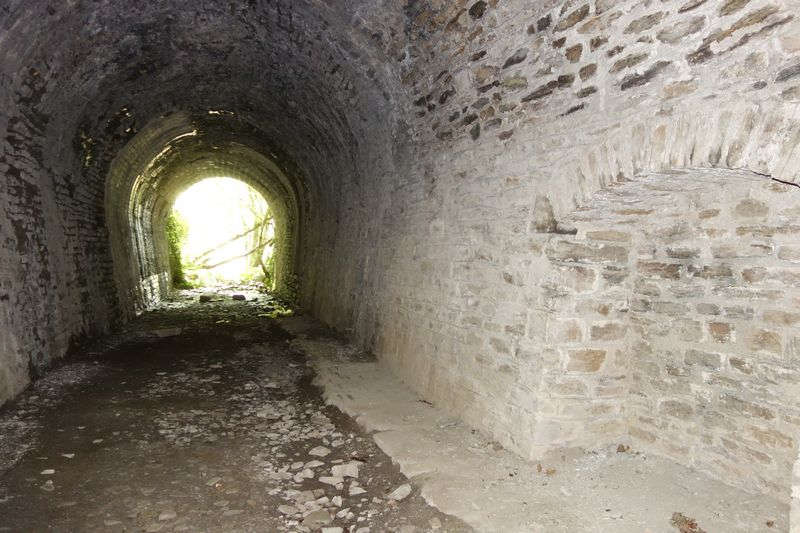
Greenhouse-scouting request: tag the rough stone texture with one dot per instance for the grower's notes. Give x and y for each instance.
(433, 199)
(484, 313)
(698, 315)
(461, 472)
(110, 109)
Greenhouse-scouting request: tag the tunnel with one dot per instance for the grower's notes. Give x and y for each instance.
(146, 178)
(527, 255)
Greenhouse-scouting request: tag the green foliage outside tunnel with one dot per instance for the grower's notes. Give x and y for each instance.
(177, 231)
(221, 231)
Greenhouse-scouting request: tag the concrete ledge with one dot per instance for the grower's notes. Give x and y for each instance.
(464, 474)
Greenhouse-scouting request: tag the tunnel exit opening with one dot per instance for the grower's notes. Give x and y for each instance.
(167, 158)
(221, 231)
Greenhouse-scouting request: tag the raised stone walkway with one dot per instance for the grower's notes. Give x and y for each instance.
(464, 474)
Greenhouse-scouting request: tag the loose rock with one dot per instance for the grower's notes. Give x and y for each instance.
(319, 451)
(400, 492)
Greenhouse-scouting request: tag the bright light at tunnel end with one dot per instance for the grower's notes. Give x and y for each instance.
(220, 214)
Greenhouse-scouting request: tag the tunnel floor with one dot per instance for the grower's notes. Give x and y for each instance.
(199, 417)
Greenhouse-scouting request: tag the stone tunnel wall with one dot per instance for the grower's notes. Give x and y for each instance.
(309, 85)
(442, 148)
(522, 112)
(166, 157)
(682, 299)
(55, 282)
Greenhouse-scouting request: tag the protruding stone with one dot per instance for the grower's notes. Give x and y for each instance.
(345, 470)
(705, 359)
(765, 340)
(636, 80)
(573, 53)
(319, 451)
(477, 9)
(585, 360)
(587, 71)
(788, 73)
(732, 6)
(681, 29)
(628, 61)
(690, 5)
(644, 23)
(543, 23)
(608, 332)
(748, 208)
(515, 82)
(400, 493)
(720, 331)
(317, 519)
(573, 18)
(518, 57)
(676, 409)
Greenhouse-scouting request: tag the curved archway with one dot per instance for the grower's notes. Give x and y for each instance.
(263, 176)
(167, 157)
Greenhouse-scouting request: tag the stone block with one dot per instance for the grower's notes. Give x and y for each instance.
(789, 253)
(644, 22)
(741, 365)
(743, 407)
(754, 275)
(579, 278)
(670, 308)
(683, 253)
(608, 332)
(741, 250)
(771, 438)
(609, 235)
(749, 208)
(720, 331)
(641, 305)
(564, 331)
(781, 318)
(583, 253)
(765, 340)
(659, 270)
(711, 361)
(647, 288)
(587, 360)
(562, 386)
(707, 309)
(711, 271)
(572, 18)
(676, 408)
(688, 330)
(677, 371)
(614, 275)
(683, 28)
(739, 311)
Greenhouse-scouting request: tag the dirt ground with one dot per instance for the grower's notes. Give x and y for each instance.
(198, 417)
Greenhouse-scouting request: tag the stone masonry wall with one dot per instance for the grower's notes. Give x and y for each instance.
(307, 83)
(700, 326)
(449, 150)
(522, 112)
(54, 278)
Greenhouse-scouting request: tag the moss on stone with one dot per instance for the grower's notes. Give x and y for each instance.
(177, 232)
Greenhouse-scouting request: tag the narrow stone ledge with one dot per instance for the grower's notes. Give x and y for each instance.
(464, 474)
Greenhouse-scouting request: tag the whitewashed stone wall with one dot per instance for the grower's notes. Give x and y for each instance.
(447, 152)
(522, 113)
